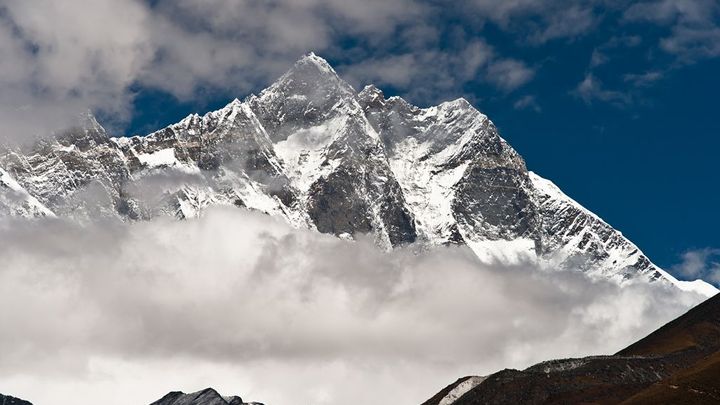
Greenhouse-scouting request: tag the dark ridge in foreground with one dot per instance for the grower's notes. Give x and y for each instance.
(698, 329)
(7, 400)
(208, 396)
(677, 364)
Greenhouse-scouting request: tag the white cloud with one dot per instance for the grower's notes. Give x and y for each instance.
(700, 263)
(643, 79)
(692, 44)
(539, 21)
(509, 74)
(59, 60)
(424, 76)
(671, 11)
(694, 28)
(598, 58)
(591, 89)
(121, 313)
(527, 102)
(568, 22)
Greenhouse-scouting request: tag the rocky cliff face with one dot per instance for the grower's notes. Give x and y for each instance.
(312, 150)
(207, 396)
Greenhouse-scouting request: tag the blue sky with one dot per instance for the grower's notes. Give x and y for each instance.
(613, 100)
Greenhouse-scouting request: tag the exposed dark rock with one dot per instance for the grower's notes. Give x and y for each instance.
(8, 400)
(336, 206)
(498, 200)
(207, 396)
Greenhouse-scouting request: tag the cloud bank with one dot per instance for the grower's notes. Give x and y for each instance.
(122, 313)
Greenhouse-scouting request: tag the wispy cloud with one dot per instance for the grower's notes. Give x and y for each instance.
(701, 263)
(643, 79)
(58, 61)
(598, 58)
(509, 74)
(694, 26)
(424, 75)
(538, 21)
(591, 89)
(527, 102)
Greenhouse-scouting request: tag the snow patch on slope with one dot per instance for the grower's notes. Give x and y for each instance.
(164, 158)
(701, 287)
(429, 192)
(461, 389)
(304, 152)
(25, 204)
(509, 252)
(553, 191)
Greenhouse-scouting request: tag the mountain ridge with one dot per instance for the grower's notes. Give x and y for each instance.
(312, 150)
(678, 364)
(207, 396)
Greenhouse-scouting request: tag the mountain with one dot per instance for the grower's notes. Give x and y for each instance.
(312, 150)
(7, 400)
(207, 396)
(677, 364)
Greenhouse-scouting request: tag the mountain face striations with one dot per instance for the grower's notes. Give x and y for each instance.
(312, 150)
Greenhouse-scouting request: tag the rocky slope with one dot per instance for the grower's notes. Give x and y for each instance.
(677, 364)
(312, 150)
(207, 396)
(7, 400)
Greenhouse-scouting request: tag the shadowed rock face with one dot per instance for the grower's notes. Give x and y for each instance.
(498, 199)
(312, 150)
(207, 396)
(7, 400)
(677, 364)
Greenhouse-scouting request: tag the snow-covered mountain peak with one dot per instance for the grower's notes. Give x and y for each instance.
(372, 91)
(458, 103)
(308, 75)
(309, 94)
(313, 151)
(85, 133)
(317, 62)
(89, 122)
(371, 96)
